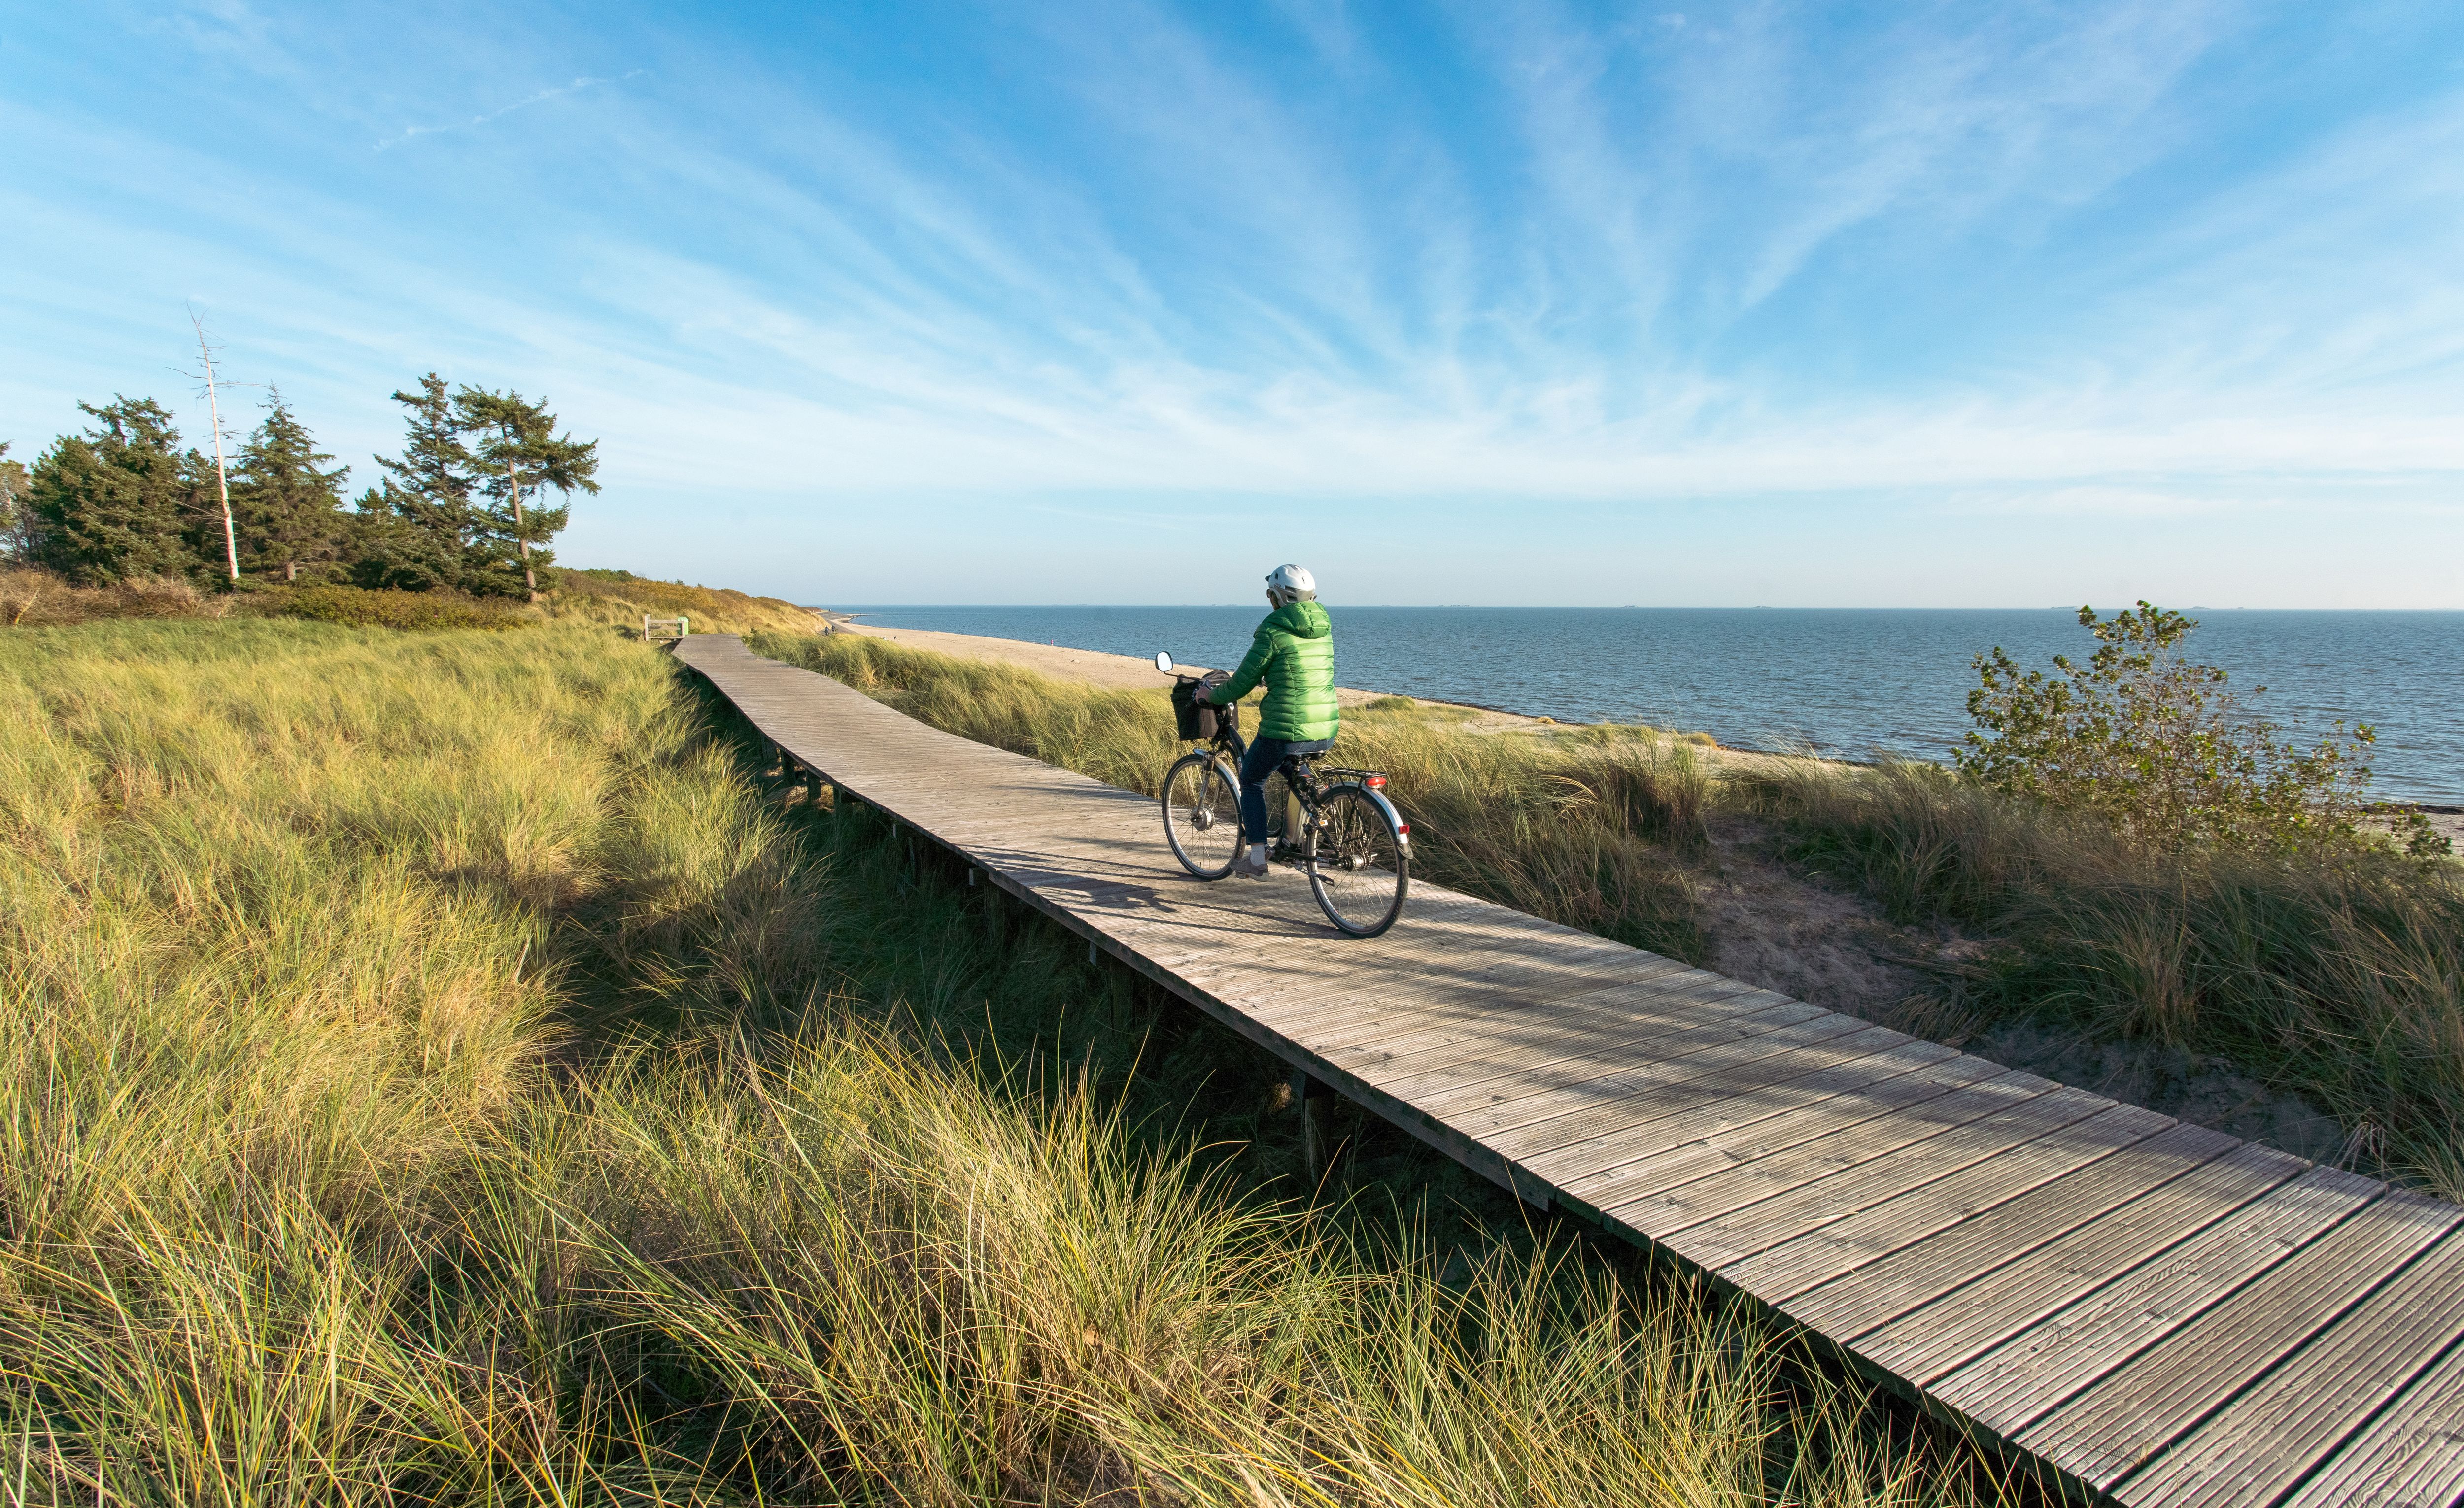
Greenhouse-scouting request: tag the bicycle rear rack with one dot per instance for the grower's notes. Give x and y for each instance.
(1375, 780)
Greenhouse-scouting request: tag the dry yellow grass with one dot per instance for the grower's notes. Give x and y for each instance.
(623, 599)
(31, 597)
(436, 1072)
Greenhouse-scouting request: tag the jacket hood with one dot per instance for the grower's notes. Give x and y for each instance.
(1302, 620)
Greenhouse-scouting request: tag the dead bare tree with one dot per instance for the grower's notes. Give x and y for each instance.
(222, 476)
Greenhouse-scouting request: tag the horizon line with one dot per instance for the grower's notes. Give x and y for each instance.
(1586, 607)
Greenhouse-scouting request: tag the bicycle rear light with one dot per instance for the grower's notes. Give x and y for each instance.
(1375, 782)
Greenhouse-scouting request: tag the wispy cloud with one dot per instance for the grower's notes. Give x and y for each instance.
(411, 133)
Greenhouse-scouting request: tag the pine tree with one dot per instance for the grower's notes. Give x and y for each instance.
(115, 502)
(522, 457)
(417, 529)
(287, 509)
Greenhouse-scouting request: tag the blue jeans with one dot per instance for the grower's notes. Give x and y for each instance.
(1260, 762)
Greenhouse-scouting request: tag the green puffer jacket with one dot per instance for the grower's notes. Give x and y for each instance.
(1294, 653)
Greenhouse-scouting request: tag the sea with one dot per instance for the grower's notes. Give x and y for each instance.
(1846, 682)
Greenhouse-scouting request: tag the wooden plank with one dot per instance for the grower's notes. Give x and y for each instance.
(1688, 1050)
(1863, 1163)
(1925, 1270)
(1614, 1133)
(2412, 1454)
(1755, 1088)
(1944, 1335)
(1380, 1024)
(1381, 1008)
(1778, 1274)
(1518, 966)
(2291, 1420)
(1429, 1068)
(1608, 997)
(1515, 984)
(1565, 1057)
(1781, 1038)
(1621, 1164)
(1479, 1095)
(2131, 1414)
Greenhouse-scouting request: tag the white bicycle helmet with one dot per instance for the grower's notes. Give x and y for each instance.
(1287, 585)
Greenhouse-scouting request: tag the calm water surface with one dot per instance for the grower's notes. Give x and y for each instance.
(1847, 682)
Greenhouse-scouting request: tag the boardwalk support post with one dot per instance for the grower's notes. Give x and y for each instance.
(1316, 1103)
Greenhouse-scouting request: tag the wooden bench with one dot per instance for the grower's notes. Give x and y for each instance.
(665, 630)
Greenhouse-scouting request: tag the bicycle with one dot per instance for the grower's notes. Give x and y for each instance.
(1355, 850)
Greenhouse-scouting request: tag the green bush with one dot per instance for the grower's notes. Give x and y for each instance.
(2151, 742)
(361, 608)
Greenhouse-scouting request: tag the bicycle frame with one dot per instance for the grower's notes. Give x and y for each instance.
(1303, 793)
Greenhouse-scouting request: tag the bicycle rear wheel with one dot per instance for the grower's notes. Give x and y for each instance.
(1201, 815)
(1358, 866)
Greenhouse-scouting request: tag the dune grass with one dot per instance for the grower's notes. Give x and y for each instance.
(623, 598)
(2336, 972)
(33, 597)
(439, 1070)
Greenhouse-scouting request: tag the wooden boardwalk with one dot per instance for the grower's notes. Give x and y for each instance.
(2158, 1312)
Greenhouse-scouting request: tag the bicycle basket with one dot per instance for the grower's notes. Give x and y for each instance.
(1193, 723)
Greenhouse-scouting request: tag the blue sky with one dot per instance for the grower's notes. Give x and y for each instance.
(1961, 305)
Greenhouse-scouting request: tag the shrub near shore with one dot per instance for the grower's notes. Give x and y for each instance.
(438, 1071)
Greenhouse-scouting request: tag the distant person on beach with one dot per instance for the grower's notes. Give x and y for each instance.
(1294, 653)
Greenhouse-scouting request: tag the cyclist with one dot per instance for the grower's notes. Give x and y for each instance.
(1294, 653)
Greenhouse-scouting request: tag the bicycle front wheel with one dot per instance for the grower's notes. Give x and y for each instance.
(1359, 865)
(1201, 815)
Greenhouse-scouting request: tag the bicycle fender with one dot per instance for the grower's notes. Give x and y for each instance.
(1402, 829)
